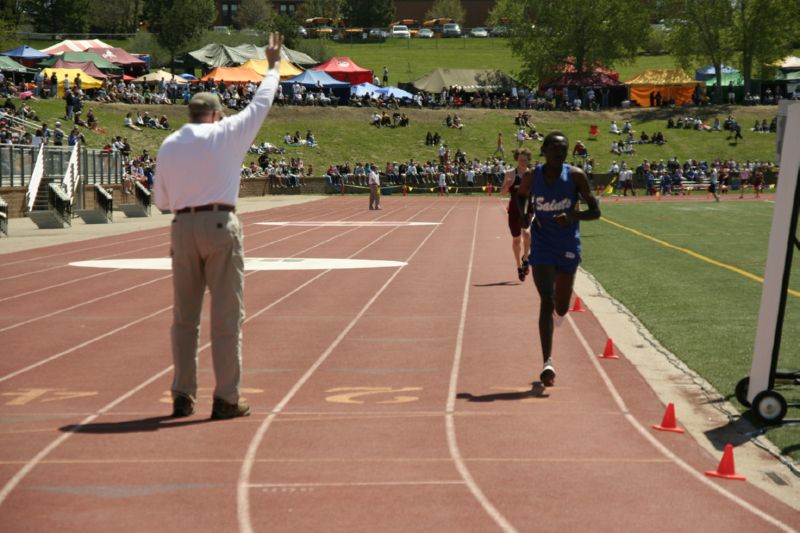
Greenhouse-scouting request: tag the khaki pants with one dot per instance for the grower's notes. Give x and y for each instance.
(374, 197)
(207, 251)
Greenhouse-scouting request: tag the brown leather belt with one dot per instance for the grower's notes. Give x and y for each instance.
(208, 207)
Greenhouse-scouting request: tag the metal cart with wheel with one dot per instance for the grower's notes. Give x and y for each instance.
(758, 389)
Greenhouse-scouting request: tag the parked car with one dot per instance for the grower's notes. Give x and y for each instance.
(451, 30)
(400, 32)
(425, 33)
(302, 32)
(478, 32)
(378, 33)
(499, 31)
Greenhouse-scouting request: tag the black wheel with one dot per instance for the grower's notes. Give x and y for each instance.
(741, 391)
(769, 407)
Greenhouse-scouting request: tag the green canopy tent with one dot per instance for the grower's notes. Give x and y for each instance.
(9, 65)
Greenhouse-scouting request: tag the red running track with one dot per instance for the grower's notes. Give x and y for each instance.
(386, 399)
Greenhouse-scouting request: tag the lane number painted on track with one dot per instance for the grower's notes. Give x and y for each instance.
(43, 395)
(358, 395)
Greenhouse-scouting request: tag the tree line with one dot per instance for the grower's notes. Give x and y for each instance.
(545, 34)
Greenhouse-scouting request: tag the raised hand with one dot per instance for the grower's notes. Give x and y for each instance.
(273, 50)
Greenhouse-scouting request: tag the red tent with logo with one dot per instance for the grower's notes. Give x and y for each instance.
(118, 56)
(345, 69)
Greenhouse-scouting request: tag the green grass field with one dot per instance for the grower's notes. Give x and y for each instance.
(703, 313)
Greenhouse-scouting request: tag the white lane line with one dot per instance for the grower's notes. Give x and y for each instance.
(154, 280)
(25, 470)
(702, 478)
(349, 223)
(450, 425)
(353, 484)
(127, 251)
(47, 288)
(84, 344)
(30, 465)
(152, 315)
(83, 303)
(243, 492)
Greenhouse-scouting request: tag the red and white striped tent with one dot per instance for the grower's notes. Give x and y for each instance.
(75, 46)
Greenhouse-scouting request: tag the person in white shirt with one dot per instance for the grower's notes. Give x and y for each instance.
(198, 179)
(442, 181)
(374, 181)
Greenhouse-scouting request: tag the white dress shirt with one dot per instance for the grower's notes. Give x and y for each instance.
(200, 163)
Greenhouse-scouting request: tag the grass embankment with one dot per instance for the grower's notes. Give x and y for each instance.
(704, 313)
(344, 133)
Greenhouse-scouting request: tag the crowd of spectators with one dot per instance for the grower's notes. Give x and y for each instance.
(671, 177)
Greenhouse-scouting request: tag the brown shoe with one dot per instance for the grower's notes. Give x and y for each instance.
(223, 410)
(182, 406)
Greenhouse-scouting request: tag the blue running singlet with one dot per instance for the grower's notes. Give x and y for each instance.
(552, 243)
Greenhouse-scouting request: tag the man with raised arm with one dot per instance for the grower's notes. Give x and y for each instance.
(198, 180)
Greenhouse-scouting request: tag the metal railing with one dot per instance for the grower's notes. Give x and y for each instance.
(96, 166)
(104, 201)
(143, 197)
(3, 218)
(60, 204)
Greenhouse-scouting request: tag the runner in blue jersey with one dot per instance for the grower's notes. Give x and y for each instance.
(551, 193)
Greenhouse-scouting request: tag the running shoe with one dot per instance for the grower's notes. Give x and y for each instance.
(548, 375)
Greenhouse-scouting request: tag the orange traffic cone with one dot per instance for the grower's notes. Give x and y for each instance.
(577, 306)
(608, 353)
(726, 468)
(668, 422)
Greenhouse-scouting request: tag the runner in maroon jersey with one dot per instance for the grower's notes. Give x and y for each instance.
(521, 235)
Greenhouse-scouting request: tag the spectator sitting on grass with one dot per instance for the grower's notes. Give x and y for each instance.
(376, 120)
(614, 128)
(163, 122)
(310, 140)
(79, 120)
(91, 120)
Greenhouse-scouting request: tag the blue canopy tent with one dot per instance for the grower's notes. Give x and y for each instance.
(26, 55)
(363, 89)
(398, 93)
(187, 76)
(313, 79)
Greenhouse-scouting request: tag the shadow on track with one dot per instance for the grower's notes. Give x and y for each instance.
(133, 426)
(499, 284)
(537, 391)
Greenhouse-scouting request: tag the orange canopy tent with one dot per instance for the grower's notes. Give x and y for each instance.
(672, 84)
(233, 75)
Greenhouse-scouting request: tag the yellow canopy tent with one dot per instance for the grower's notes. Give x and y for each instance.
(672, 84)
(285, 68)
(87, 82)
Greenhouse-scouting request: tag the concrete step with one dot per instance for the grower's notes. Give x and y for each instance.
(134, 210)
(94, 216)
(47, 220)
